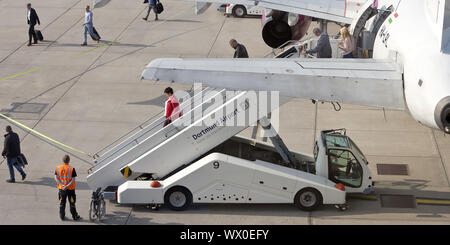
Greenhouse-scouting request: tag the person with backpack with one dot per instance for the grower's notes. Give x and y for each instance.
(11, 151)
(151, 5)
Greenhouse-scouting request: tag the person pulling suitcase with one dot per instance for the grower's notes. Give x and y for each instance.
(89, 26)
(32, 20)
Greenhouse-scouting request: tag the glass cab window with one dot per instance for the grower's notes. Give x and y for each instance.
(344, 168)
(336, 141)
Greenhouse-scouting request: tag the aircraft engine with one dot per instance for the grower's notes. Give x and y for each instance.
(442, 114)
(280, 27)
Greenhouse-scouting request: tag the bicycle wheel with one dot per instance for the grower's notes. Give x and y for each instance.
(101, 209)
(92, 211)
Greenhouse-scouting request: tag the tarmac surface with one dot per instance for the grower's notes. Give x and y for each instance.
(86, 97)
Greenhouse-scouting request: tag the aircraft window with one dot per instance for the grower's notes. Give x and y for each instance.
(344, 168)
(336, 141)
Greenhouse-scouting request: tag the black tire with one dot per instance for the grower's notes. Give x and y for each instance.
(239, 11)
(178, 198)
(308, 199)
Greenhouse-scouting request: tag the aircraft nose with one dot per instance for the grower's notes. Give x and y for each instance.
(442, 114)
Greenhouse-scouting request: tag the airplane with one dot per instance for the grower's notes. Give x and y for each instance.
(408, 69)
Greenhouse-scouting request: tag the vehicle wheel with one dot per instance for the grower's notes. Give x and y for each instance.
(308, 199)
(239, 11)
(178, 198)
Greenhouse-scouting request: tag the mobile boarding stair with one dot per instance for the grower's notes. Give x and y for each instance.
(156, 151)
(200, 159)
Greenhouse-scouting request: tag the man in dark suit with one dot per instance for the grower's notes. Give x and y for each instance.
(11, 151)
(240, 50)
(32, 20)
(323, 47)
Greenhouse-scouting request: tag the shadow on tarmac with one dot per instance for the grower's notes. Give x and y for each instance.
(47, 181)
(126, 218)
(102, 42)
(158, 101)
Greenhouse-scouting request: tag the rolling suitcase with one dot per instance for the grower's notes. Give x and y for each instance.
(39, 35)
(96, 33)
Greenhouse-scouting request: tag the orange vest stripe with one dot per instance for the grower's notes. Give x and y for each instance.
(64, 175)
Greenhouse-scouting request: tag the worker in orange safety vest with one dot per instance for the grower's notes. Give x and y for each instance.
(65, 177)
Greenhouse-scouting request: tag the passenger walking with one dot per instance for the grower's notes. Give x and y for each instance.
(151, 5)
(65, 178)
(11, 151)
(347, 44)
(323, 47)
(89, 26)
(172, 109)
(240, 50)
(32, 19)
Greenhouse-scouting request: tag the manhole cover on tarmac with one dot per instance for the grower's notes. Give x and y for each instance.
(392, 169)
(18, 107)
(398, 201)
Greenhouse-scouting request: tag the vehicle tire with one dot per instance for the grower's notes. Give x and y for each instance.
(239, 11)
(308, 199)
(178, 198)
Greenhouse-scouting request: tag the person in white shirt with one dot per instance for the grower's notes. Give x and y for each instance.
(89, 26)
(32, 20)
(347, 45)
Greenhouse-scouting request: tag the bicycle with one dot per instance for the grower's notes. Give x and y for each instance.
(97, 208)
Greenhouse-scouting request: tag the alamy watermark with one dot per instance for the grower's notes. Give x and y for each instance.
(213, 108)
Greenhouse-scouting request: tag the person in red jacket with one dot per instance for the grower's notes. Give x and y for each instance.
(171, 106)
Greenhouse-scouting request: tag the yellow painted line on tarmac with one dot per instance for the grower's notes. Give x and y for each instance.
(25, 72)
(92, 49)
(45, 66)
(26, 128)
(432, 201)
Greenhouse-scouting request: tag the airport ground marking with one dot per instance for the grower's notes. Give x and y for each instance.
(432, 201)
(23, 73)
(46, 66)
(30, 130)
(92, 49)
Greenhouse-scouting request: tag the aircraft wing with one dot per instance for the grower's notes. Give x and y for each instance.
(342, 11)
(366, 82)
